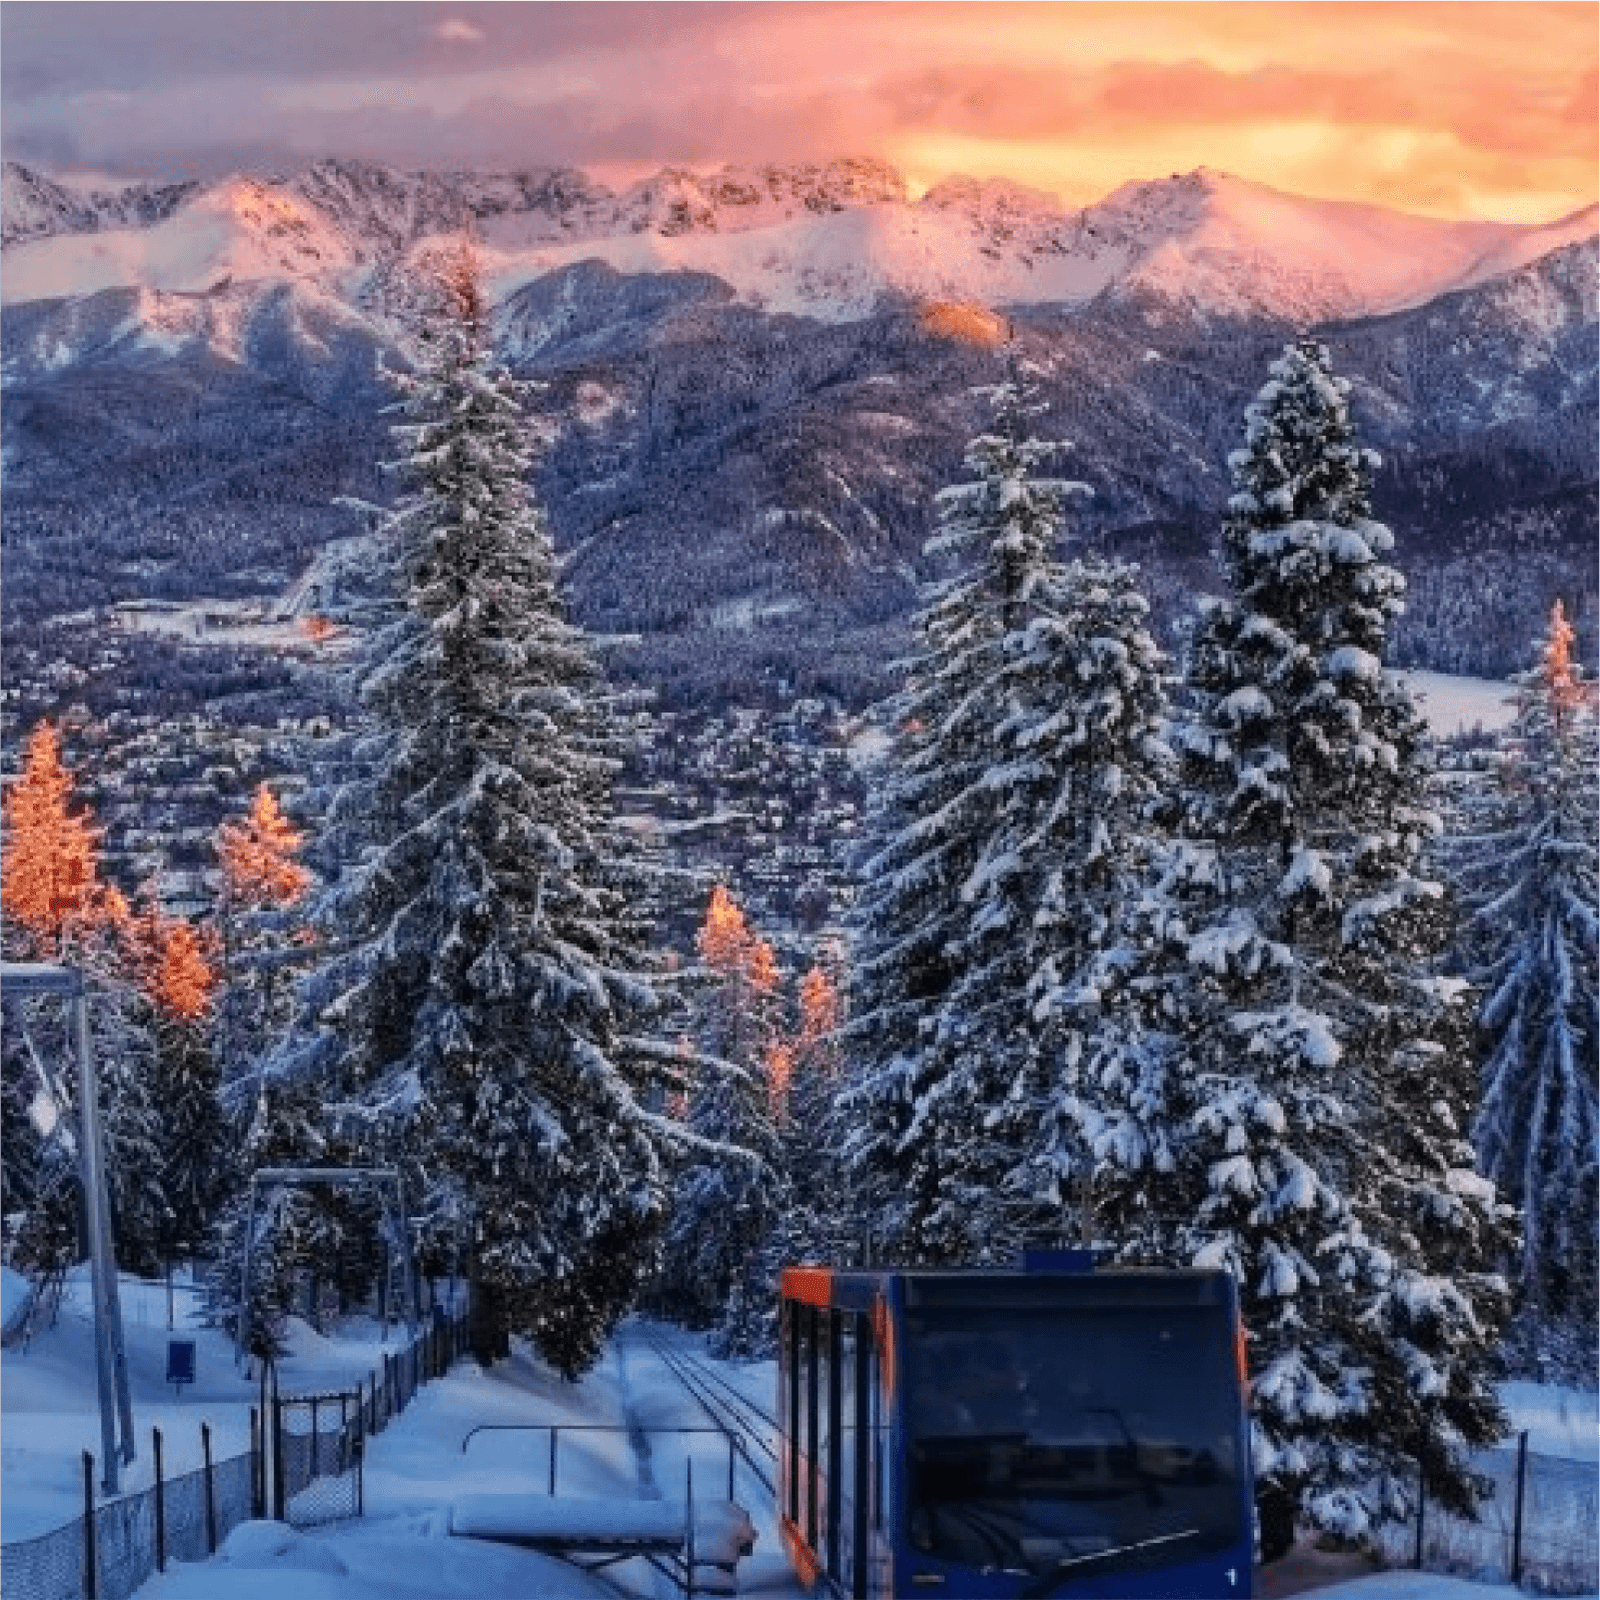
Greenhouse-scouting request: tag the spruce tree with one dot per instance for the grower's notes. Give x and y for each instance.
(489, 1031)
(1528, 870)
(194, 1171)
(730, 1193)
(260, 882)
(1026, 747)
(1281, 1082)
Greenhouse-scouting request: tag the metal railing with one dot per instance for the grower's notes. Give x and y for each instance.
(556, 1429)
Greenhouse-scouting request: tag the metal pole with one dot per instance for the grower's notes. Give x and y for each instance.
(280, 1498)
(688, 1508)
(242, 1327)
(90, 1587)
(1516, 1526)
(102, 1262)
(553, 1433)
(211, 1490)
(258, 1468)
(161, 1503)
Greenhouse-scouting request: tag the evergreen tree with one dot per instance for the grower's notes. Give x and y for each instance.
(1528, 869)
(817, 1223)
(171, 966)
(261, 881)
(729, 1195)
(1026, 749)
(489, 1030)
(1282, 1082)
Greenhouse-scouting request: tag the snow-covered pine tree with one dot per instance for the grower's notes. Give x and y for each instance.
(260, 882)
(729, 1194)
(488, 1022)
(804, 1077)
(1282, 1082)
(1025, 747)
(195, 1172)
(1527, 867)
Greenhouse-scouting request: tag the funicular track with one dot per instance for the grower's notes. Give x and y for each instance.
(749, 1427)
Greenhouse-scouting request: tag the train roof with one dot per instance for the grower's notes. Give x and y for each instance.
(1031, 1286)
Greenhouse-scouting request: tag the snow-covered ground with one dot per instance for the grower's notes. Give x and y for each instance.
(50, 1410)
(1459, 705)
(417, 1468)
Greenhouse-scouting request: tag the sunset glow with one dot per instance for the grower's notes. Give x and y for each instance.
(1461, 110)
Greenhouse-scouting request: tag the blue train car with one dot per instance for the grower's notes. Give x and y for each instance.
(1052, 1432)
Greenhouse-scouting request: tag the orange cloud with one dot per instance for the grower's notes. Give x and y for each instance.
(1473, 109)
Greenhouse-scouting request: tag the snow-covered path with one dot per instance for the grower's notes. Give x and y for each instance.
(416, 1468)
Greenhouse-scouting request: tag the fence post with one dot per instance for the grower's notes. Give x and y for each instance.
(1422, 1500)
(258, 1492)
(316, 1440)
(280, 1497)
(161, 1504)
(211, 1490)
(90, 1586)
(1516, 1524)
(553, 1432)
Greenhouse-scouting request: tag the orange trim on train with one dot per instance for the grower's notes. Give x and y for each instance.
(801, 1556)
(813, 1285)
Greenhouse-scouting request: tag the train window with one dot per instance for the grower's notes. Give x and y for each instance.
(875, 1433)
(831, 1453)
(847, 1444)
(859, 1470)
(812, 1318)
(1020, 1458)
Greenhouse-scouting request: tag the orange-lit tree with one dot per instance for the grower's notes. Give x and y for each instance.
(729, 1195)
(262, 880)
(49, 882)
(173, 966)
(58, 909)
(816, 1223)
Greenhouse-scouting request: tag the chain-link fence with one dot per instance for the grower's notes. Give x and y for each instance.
(50, 1567)
(1536, 1528)
(319, 1457)
(304, 1466)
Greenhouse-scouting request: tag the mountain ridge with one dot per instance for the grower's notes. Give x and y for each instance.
(831, 240)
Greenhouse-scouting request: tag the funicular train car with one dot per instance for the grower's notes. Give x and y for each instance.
(1054, 1431)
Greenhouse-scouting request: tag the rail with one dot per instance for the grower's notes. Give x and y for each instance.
(729, 1409)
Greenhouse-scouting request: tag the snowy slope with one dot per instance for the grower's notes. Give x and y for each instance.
(35, 206)
(829, 241)
(238, 231)
(1220, 243)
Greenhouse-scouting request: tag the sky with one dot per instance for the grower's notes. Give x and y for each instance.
(1474, 110)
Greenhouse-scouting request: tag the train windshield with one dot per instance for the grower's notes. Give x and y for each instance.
(1073, 1440)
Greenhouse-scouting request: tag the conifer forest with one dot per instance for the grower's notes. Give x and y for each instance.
(1079, 906)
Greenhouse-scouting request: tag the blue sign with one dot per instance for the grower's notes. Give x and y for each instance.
(180, 1362)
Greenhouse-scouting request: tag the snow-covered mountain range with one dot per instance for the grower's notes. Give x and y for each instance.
(755, 381)
(832, 241)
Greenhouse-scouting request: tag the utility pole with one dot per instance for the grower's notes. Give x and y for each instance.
(111, 1364)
